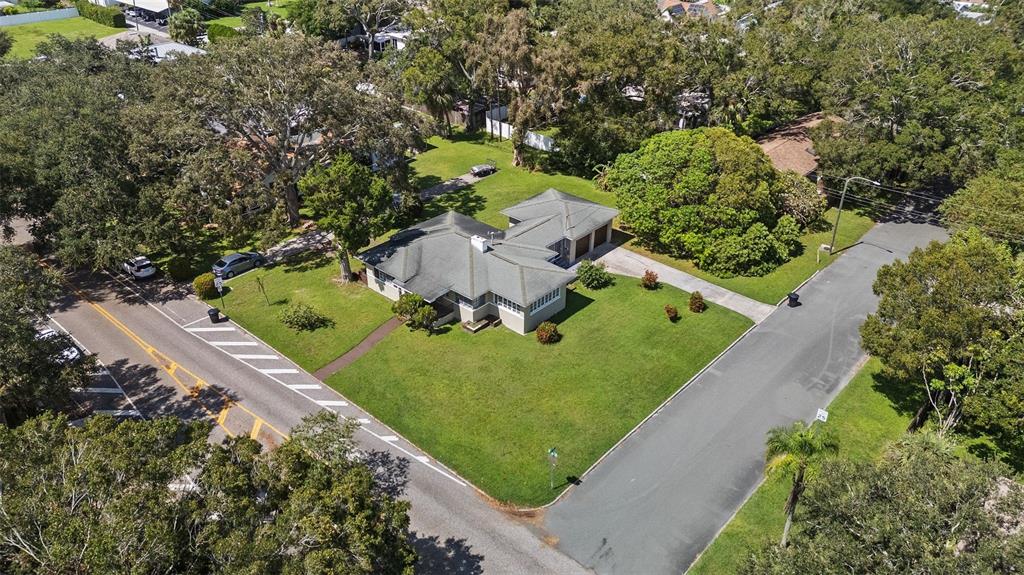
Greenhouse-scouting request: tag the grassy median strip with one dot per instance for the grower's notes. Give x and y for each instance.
(774, 286)
(865, 417)
(355, 310)
(490, 405)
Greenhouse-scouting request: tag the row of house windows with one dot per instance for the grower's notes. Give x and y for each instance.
(382, 277)
(544, 300)
(470, 303)
(507, 304)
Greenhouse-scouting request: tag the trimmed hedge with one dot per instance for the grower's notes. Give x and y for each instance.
(204, 286)
(112, 17)
(219, 33)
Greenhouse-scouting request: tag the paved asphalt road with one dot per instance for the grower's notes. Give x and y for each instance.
(659, 499)
(157, 343)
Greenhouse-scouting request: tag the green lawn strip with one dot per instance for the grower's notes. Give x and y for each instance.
(774, 286)
(356, 311)
(280, 7)
(865, 419)
(448, 158)
(490, 405)
(27, 36)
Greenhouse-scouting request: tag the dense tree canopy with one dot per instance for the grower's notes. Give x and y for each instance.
(708, 195)
(992, 202)
(921, 509)
(33, 374)
(944, 320)
(154, 497)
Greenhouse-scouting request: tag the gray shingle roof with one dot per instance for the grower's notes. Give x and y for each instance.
(572, 216)
(437, 255)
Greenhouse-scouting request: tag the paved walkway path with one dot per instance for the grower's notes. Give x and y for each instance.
(655, 502)
(624, 262)
(359, 350)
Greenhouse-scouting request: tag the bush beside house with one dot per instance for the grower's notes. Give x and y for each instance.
(594, 276)
(547, 333)
(204, 286)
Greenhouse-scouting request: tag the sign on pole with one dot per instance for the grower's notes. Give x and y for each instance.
(822, 416)
(218, 282)
(552, 462)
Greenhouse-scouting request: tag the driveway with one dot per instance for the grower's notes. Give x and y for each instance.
(624, 262)
(658, 499)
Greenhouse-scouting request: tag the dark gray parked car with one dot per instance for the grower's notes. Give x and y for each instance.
(234, 264)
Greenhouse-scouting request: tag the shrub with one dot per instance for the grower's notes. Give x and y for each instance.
(407, 305)
(650, 280)
(697, 304)
(204, 286)
(672, 312)
(547, 333)
(218, 33)
(112, 17)
(302, 317)
(594, 275)
(423, 318)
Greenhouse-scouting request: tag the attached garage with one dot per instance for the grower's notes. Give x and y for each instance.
(582, 247)
(601, 235)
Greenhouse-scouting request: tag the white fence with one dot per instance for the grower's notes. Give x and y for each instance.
(33, 17)
(497, 127)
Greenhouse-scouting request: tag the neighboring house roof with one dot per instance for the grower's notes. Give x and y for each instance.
(790, 147)
(703, 8)
(438, 255)
(551, 215)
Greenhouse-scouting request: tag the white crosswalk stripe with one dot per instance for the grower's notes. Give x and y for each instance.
(279, 370)
(201, 329)
(110, 390)
(254, 356)
(301, 386)
(332, 403)
(234, 343)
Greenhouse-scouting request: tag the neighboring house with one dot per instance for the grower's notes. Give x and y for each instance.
(790, 147)
(672, 9)
(977, 10)
(469, 270)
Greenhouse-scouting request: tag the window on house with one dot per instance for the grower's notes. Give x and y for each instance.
(507, 304)
(545, 300)
(382, 277)
(470, 303)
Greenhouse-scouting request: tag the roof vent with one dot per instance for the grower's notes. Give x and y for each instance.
(481, 243)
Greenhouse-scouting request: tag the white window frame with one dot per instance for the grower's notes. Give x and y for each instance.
(545, 300)
(507, 304)
(387, 279)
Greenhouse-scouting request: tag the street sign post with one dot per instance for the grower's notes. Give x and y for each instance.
(822, 416)
(552, 462)
(218, 282)
(259, 282)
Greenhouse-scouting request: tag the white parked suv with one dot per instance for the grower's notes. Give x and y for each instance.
(139, 267)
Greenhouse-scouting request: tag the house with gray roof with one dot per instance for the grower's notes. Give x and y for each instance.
(469, 270)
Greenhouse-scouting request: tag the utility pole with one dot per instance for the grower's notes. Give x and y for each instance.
(842, 198)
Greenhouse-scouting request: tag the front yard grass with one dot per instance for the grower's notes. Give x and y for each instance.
(451, 157)
(863, 417)
(27, 36)
(355, 310)
(279, 7)
(774, 286)
(490, 405)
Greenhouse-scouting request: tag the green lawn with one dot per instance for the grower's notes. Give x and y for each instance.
(490, 405)
(355, 310)
(452, 157)
(864, 417)
(280, 7)
(27, 36)
(774, 286)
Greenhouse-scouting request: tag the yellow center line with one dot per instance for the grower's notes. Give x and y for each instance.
(172, 368)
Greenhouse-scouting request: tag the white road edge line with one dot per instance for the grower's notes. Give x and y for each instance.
(118, 412)
(109, 390)
(197, 336)
(185, 325)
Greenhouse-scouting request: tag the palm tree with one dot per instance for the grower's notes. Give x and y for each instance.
(796, 450)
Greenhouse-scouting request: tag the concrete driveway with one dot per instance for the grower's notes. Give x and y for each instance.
(622, 261)
(659, 498)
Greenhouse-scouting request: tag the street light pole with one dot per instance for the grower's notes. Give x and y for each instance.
(842, 198)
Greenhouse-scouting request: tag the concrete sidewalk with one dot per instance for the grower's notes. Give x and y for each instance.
(662, 495)
(621, 261)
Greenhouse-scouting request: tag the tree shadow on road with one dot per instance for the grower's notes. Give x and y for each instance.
(390, 473)
(451, 557)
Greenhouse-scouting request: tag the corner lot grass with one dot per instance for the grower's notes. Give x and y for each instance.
(863, 417)
(27, 36)
(774, 286)
(451, 157)
(356, 311)
(490, 405)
